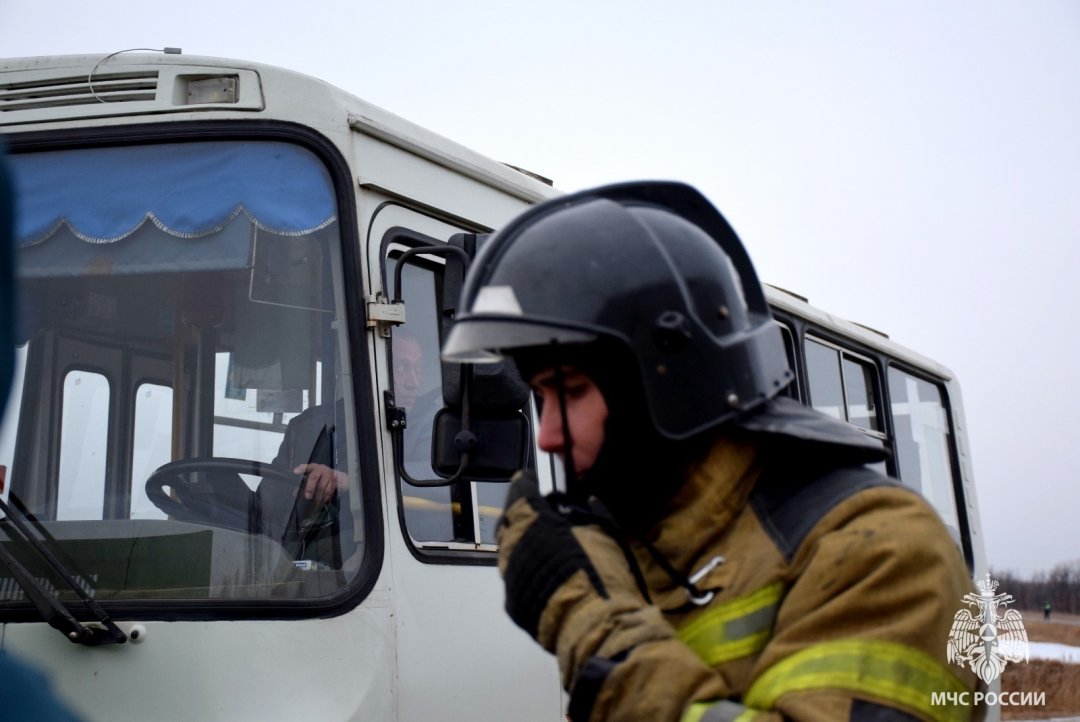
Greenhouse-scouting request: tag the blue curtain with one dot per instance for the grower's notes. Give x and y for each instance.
(188, 190)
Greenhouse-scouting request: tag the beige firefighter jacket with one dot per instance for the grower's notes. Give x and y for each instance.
(847, 622)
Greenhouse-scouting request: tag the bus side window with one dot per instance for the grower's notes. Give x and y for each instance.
(862, 408)
(923, 444)
(824, 380)
(843, 386)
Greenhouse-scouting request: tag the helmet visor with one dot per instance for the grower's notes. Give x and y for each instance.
(477, 339)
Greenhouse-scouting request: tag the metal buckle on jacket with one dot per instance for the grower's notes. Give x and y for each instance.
(698, 597)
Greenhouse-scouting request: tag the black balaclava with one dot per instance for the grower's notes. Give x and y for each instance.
(638, 470)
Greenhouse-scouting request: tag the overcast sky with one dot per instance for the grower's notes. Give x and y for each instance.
(910, 165)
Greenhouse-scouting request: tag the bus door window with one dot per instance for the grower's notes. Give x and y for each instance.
(923, 441)
(462, 515)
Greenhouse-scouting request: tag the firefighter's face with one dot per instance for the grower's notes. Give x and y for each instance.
(586, 412)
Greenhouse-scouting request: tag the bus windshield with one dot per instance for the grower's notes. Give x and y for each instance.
(180, 363)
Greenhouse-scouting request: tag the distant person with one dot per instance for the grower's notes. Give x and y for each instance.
(428, 509)
(408, 357)
(304, 514)
(420, 404)
(1046, 611)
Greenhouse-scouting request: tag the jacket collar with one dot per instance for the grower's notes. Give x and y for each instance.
(716, 490)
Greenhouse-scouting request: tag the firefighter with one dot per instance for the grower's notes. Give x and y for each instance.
(718, 551)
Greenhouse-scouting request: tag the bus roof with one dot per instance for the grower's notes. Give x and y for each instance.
(88, 90)
(796, 305)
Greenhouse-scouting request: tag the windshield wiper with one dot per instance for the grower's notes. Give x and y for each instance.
(50, 607)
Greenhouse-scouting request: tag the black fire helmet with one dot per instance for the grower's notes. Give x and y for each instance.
(650, 265)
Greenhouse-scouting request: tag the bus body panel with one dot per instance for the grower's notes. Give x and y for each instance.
(339, 668)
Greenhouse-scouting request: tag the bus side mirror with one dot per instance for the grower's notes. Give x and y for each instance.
(498, 444)
(497, 433)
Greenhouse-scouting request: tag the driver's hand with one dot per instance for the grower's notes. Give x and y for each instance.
(321, 481)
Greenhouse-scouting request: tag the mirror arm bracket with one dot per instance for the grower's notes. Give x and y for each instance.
(430, 250)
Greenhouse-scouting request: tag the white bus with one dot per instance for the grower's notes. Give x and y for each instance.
(209, 253)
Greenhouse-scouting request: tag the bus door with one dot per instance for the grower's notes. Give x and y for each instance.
(448, 595)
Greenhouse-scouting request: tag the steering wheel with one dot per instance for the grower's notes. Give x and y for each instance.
(209, 490)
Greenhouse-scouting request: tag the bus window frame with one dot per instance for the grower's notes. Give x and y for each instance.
(789, 334)
(364, 433)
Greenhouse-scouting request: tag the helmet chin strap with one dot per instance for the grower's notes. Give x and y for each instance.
(573, 489)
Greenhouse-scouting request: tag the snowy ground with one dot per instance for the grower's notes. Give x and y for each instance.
(1060, 652)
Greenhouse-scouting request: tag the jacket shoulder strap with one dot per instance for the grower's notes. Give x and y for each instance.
(789, 503)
